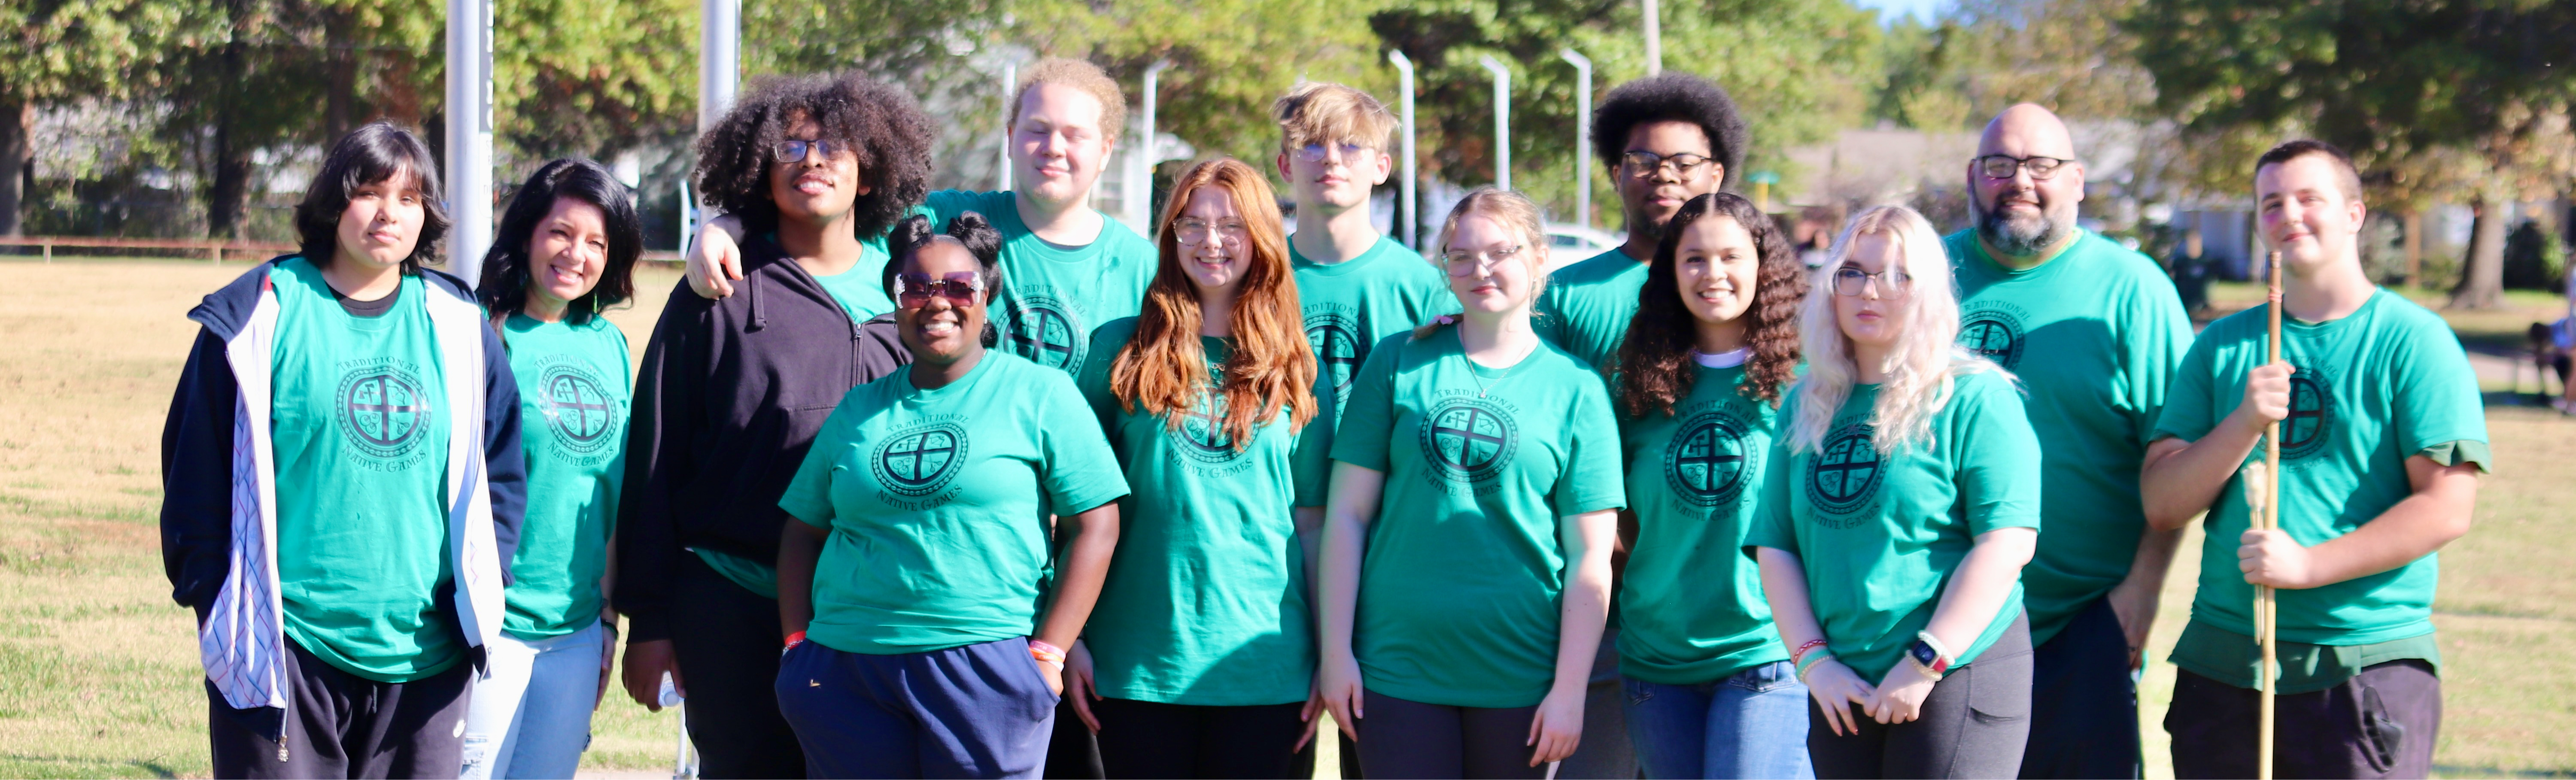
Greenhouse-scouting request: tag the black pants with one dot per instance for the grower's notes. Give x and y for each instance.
(1149, 739)
(727, 640)
(1073, 753)
(1348, 758)
(2083, 702)
(342, 725)
(1408, 739)
(2379, 724)
(1972, 725)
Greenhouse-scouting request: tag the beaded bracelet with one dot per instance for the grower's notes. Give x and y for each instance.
(1811, 644)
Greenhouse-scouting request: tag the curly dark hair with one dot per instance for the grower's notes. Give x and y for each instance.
(375, 152)
(881, 123)
(1654, 364)
(1672, 96)
(504, 288)
(969, 229)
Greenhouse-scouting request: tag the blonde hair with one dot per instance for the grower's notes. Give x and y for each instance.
(1514, 211)
(1080, 75)
(1325, 112)
(1926, 358)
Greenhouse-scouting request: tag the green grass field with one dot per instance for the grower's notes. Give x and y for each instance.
(98, 669)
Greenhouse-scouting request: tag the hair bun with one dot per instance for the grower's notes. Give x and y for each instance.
(979, 236)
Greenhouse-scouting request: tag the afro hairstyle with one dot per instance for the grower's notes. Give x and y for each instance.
(1671, 96)
(879, 122)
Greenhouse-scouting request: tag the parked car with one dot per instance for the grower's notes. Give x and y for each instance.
(1568, 244)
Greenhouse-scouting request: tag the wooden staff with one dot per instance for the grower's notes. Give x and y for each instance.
(2269, 518)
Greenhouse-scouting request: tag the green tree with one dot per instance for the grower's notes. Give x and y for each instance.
(52, 51)
(2421, 93)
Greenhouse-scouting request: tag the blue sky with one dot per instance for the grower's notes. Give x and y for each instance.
(1888, 10)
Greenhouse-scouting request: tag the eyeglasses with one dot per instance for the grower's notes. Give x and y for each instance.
(1316, 152)
(1194, 232)
(961, 288)
(1852, 281)
(1998, 166)
(1465, 264)
(1646, 164)
(793, 149)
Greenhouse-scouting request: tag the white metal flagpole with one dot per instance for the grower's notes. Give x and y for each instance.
(1411, 224)
(1582, 135)
(469, 136)
(719, 58)
(1502, 120)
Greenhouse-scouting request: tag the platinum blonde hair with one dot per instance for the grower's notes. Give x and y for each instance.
(1926, 356)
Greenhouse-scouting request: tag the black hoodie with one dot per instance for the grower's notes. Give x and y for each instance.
(726, 403)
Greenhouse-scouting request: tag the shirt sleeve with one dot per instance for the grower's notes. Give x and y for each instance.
(1361, 439)
(2187, 411)
(809, 495)
(1080, 472)
(1310, 463)
(2437, 400)
(2160, 334)
(1591, 480)
(1770, 524)
(1997, 455)
(1093, 380)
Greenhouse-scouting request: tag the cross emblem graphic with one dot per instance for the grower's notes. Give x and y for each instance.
(1046, 336)
(2307, 418)
(921, 447)
(1461, 431)
(1846, 471)
(383, 388)
(1708, 452)
(587, 408)
(1338, 351)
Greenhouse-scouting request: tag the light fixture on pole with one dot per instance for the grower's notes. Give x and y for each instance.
(1502, 120)
(1410, 221)
(1582, 134)
(469, 136)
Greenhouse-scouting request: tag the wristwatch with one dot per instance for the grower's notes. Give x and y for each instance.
(1928, 659)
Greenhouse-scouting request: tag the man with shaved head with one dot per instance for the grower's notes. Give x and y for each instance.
(2094, 331)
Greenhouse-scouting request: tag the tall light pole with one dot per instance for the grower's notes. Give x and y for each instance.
(1412, 221)
(719, 59)
(1010, 92)
(1654, 37)
(1139, 193)
(1582, 134)
(469, 136)
(1502, 120)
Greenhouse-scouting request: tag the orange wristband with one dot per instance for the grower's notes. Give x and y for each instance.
(1039, 649)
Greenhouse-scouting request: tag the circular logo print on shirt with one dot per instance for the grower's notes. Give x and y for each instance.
(1466, 438)
(1846, 473)
(1046, 331)
(1201, 434)
(384, 409)
(578, 408)
(1992, 334)
(2303, 433)
(1706, 461)
(1339, 347)
(922, 460)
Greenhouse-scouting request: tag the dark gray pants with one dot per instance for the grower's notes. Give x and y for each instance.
(2379, 724)
(341, 725)
(1409, 739)
(727, 640)
(2083, 702)
(1974, 723)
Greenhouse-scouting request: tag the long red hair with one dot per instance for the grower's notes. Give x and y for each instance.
(1164, 370)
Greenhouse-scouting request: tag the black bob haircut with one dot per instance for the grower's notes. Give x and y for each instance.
(969, 229)
(1672, 96)
(372, 154)
(881, 124)
(507, 266)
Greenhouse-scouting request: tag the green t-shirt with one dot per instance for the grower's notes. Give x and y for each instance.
(920, 559)
(861, 290)
(1206, 601)
(1459, 592)
(1586, 306)
(1691, 609)
(360, 446)
(1053, 296)
(1898, 524)
(2094, 335)
(574, 387)
(1352, 305)
(2370, 390)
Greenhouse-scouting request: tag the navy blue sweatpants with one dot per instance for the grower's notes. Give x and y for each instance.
(973, 711)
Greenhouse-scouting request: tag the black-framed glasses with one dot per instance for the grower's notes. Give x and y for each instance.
(793, 149)
(961, 288)
(2002, 166)
(1465, 264)
(1317, 152)
(1646, 164)
(1853, 281)
(1193, 232)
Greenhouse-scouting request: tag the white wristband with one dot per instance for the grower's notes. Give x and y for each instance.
(1937, 648)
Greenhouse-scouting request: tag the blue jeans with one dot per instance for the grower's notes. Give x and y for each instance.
(1753, 724)
(531, 716)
